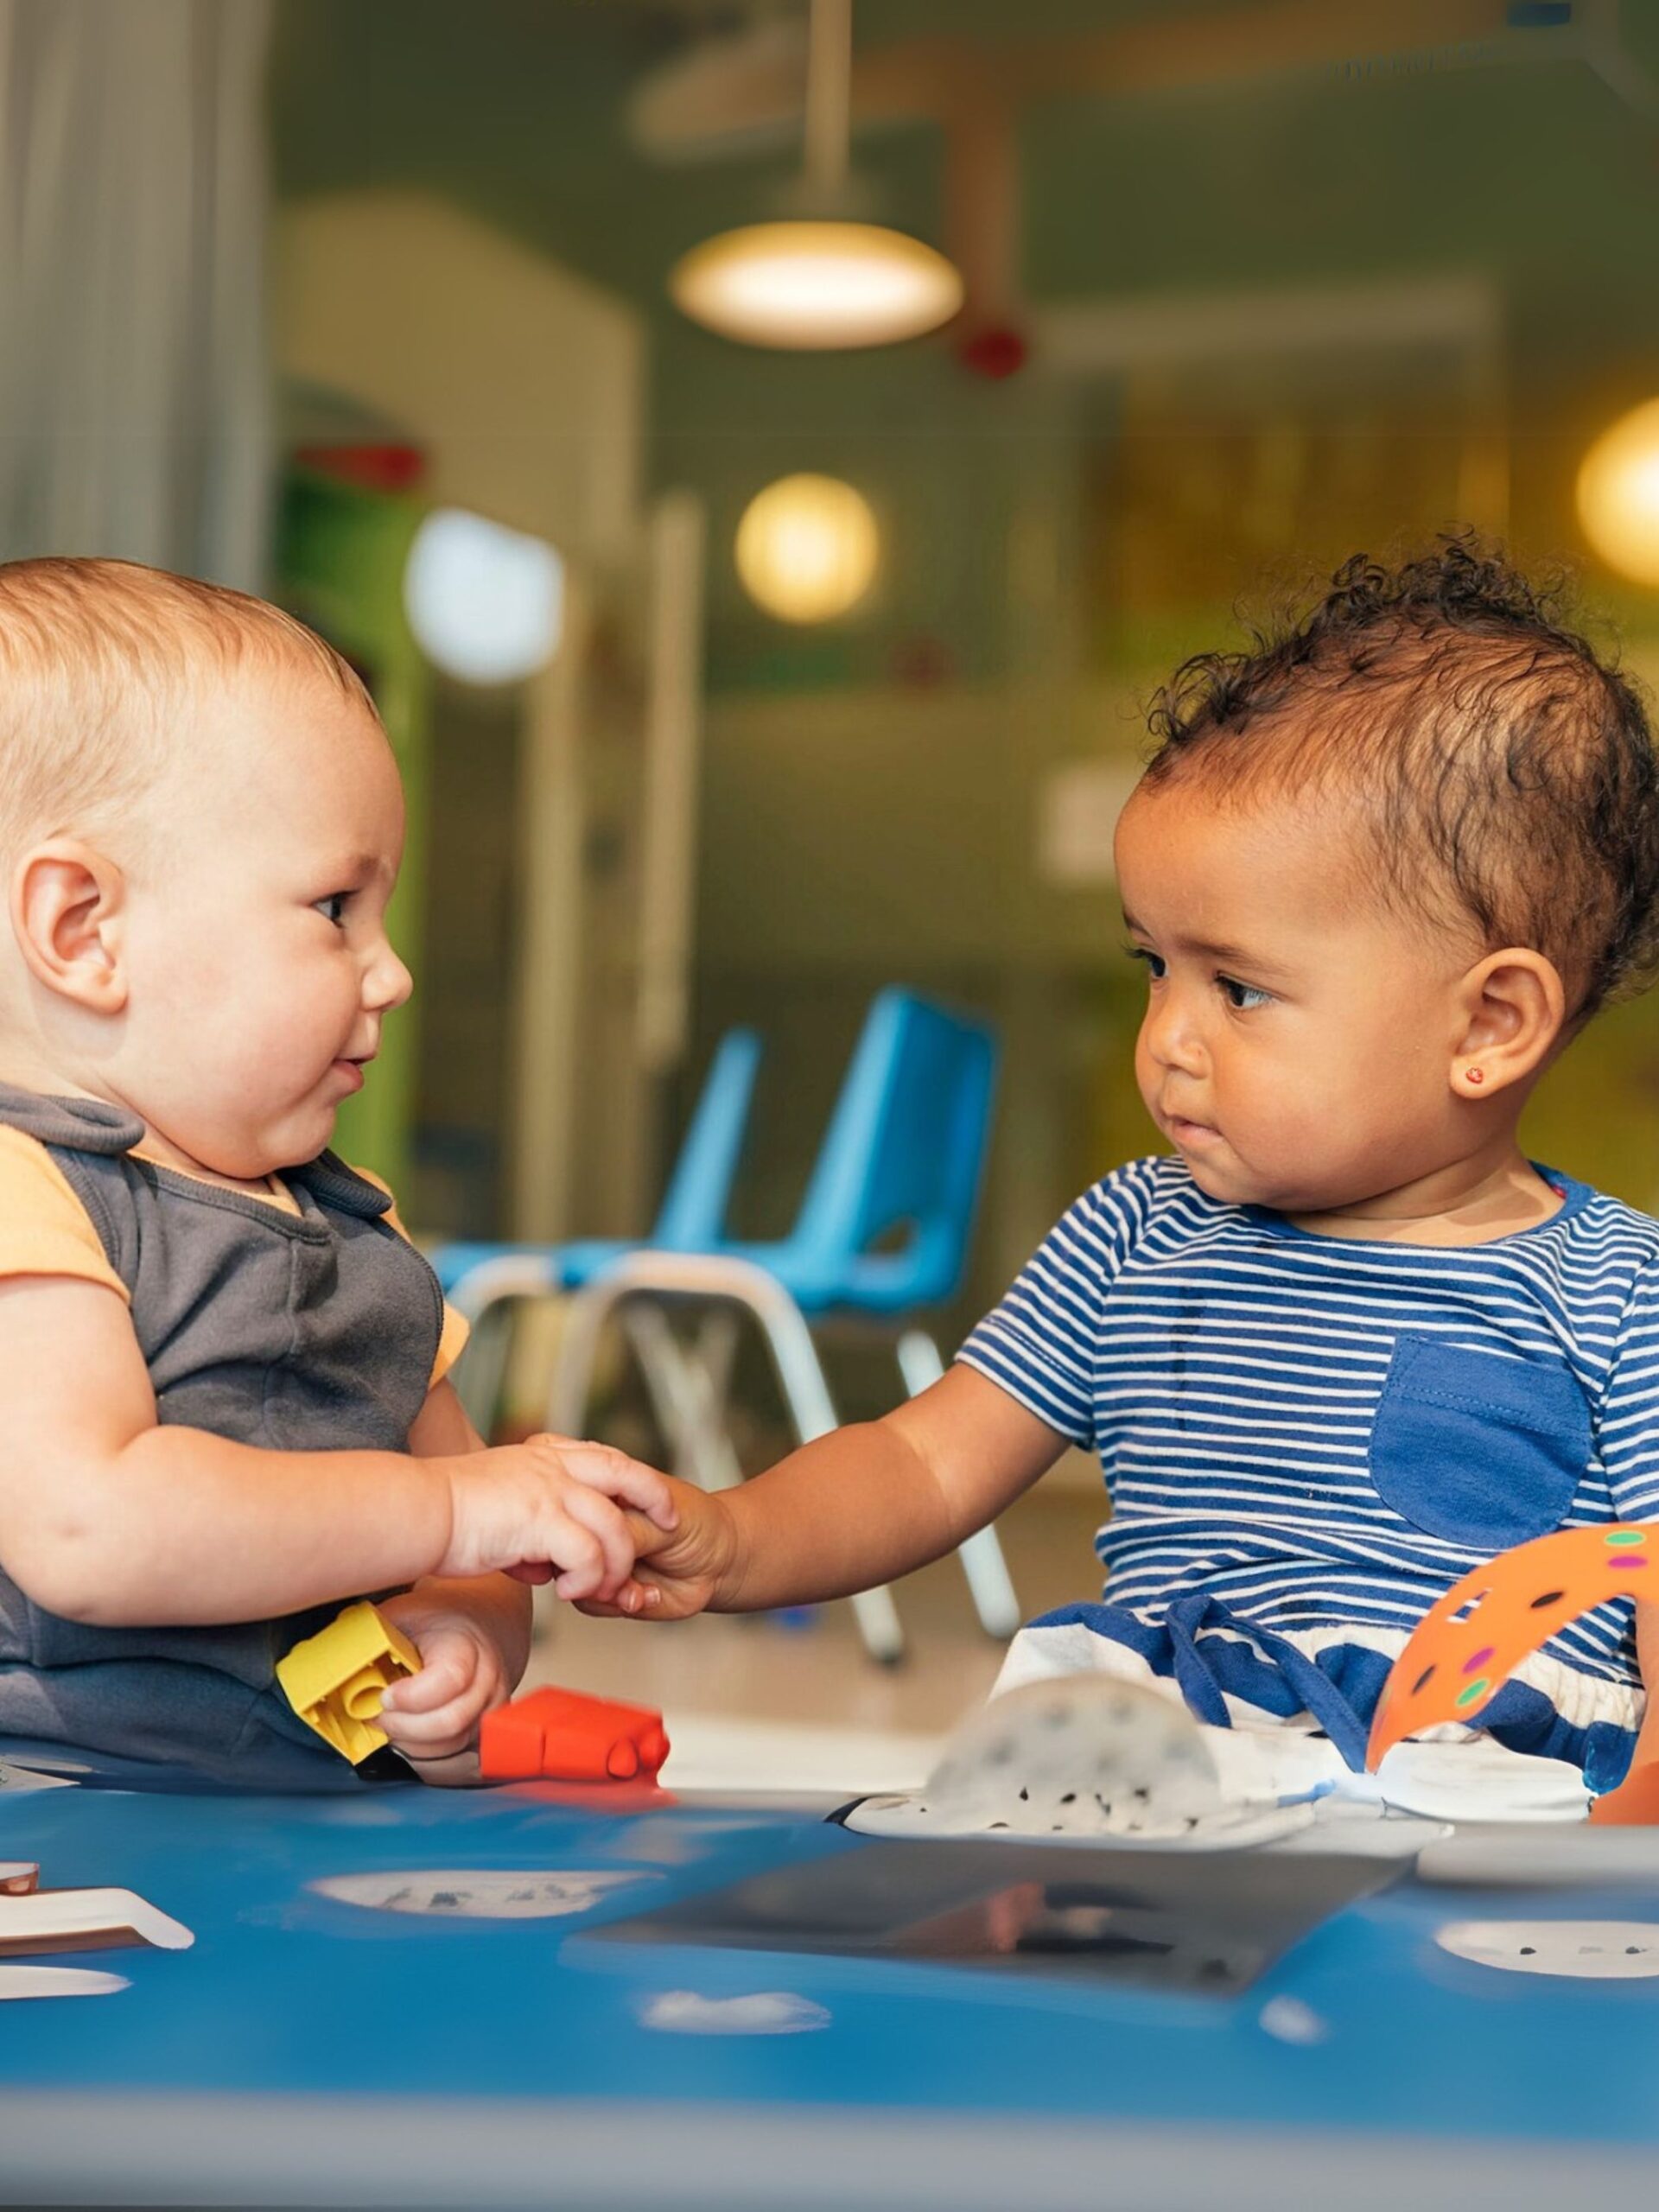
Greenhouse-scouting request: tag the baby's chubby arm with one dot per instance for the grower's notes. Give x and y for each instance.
(107, 1517)
(472, 1634)
(853, 1509)
(500, 1603)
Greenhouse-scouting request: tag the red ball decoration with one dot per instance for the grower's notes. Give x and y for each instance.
(995, 350)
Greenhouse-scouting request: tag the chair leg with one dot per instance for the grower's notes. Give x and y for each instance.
(806, 1392)
(708, 1372)
(482, 1370)
(585, 1315)
(683, 1397)
(989, 1583)
(715, 1353)
(484, 1291)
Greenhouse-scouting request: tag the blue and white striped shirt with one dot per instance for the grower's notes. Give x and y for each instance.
(1316, 1436)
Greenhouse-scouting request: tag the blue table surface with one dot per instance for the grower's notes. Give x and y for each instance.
(291, 1991)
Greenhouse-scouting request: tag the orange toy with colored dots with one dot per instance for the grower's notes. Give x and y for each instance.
(562, 1736)
(1466, 1646)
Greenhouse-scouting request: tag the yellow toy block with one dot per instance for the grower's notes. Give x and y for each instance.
(335, 1680)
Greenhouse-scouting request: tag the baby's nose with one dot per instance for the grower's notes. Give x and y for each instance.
(389, 983)
(1171, 1036)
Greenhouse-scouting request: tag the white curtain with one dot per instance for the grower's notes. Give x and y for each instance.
(134, 410)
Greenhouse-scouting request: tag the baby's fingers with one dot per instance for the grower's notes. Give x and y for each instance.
(634, 1598)
(533, 1571)
(637, 1600)
(438, 1681)
(578, 1558)
(597, 1467)
(610, 1531)
(437, 1735)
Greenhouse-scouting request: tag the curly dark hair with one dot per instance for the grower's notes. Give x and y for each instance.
(1505, 772)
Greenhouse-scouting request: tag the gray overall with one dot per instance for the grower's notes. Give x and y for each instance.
(293, 1333)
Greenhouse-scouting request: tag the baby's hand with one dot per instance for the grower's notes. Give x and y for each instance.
(550, 1510)
(682, 1566)
(432, 1717)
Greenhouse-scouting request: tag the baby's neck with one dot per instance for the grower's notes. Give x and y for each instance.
(1467, 1203)
(154, 1146)
(26, 1072)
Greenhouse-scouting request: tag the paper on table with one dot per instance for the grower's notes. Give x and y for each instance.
(59, 1981)
(84, 1920)
(1080, 1759)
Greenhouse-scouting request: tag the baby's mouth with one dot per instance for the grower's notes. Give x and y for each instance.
(1184, 1131)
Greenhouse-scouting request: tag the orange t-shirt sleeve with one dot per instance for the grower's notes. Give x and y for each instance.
(44, 1228)
(456, 1327)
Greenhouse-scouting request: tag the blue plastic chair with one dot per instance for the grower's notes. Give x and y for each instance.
(904, 1152)
(476, 1276)
(901, 1164)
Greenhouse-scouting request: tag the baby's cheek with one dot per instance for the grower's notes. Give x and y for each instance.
(1300, 1089)
(1282, 1139)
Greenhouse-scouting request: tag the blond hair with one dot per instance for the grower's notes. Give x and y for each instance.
(99, 662)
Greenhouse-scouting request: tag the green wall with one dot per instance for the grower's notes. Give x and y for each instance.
(340, 557)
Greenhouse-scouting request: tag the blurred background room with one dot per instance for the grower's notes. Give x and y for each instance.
(761, 639)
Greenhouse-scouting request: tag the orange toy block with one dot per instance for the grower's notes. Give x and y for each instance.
(563, 1736)
(1466, 1646)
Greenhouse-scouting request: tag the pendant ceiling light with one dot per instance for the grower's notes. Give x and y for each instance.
(822, 281)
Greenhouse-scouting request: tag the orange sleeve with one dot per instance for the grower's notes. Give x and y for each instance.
(44, 1228)
(456, 1327)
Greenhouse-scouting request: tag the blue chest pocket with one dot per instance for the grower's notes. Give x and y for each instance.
(1481, 1450)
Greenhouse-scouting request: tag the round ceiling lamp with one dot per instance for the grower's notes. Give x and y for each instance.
(821, 283)
(806, 548)
(817, 286)
(486, 603)
(1618, 494)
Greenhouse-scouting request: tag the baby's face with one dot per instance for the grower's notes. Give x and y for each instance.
(1299, 1034)
(259, 967)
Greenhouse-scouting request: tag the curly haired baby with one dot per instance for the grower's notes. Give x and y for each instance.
(1343, 1340)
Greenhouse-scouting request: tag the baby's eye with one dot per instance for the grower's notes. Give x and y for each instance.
(1243, 996)
(1154, 962)
(335, 899)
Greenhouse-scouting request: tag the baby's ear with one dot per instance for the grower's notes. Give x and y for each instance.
(69, 907)
(1514, 1008)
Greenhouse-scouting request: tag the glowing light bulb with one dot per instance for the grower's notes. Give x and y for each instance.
(806, 548)
(1618, 494)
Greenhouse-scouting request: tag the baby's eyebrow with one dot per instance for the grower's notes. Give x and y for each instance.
(358, 863)
(1210, 949)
